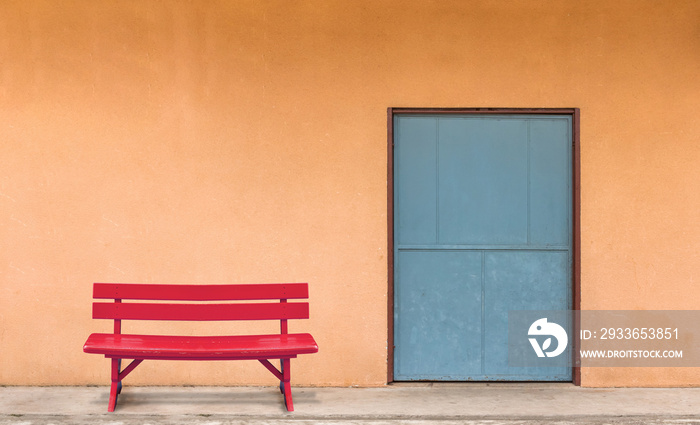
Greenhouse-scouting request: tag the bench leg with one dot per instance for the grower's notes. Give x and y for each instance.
(284, 376)
(119, 387)
(114, 389)
(282, 370)
(286, 384)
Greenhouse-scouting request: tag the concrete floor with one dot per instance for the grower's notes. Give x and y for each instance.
(481, 404)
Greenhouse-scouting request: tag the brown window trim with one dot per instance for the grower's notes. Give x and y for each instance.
(575, 114)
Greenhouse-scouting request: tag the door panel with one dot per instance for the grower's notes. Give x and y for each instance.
(550, 188)
(444, 343)
(520, 280)
(482, 227)
(482, 181)
(416, 182)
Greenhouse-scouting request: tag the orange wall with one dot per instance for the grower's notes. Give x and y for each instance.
(245, 141)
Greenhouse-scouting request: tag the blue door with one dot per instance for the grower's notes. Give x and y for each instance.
(482, 226)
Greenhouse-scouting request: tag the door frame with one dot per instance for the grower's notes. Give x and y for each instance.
(575, 115)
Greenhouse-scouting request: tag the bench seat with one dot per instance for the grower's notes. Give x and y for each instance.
(200, 347)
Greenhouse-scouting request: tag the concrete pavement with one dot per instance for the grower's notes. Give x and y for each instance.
(469, 403)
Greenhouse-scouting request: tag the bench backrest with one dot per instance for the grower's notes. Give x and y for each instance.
(201, 310)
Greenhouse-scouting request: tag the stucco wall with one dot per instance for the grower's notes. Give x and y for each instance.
(245, 141)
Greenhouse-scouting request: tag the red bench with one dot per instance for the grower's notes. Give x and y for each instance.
(283, 345)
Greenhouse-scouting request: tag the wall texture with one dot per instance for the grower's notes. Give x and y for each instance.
(245, 141)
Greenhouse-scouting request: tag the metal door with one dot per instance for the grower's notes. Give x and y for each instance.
(482, 226)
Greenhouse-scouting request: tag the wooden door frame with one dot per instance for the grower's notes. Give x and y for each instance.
(575, 115)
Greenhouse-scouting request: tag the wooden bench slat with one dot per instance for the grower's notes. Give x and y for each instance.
(135, 291)
(201, 347)
(200, 312)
